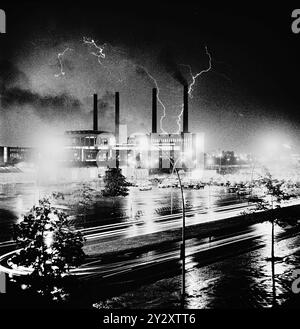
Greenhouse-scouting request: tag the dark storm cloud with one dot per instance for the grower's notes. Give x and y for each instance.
(167, 59)
(257, 45)
(140, 70)
(10, 75)
(106, 101)
(105, 108)
(19, 96)
(14, 92)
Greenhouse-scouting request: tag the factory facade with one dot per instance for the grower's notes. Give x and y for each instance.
(14, 154)
(153, 151)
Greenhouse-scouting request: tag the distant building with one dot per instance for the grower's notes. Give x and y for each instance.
(227, 161)
(14, 154)
(163, 151)
(81, 146)
(153, 151)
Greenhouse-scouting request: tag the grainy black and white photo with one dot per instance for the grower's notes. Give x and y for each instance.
(149, 158)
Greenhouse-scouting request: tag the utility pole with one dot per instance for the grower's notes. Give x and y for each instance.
(182, 249)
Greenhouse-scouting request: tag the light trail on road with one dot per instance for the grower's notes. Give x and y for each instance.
(164, 223)
(194, 246)
(161, 222)
(238, 241)
(169, 222)
(140, 227)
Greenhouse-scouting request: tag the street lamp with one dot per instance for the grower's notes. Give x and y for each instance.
(182, 247)
(145, 145)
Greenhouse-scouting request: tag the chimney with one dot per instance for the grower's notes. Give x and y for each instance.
(117, 116)
(185, 109)
(95, 112)
(154, 111)
(117, 124)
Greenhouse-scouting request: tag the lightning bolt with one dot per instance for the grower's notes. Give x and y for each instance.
(178, 121)
(99, 53)
(158, 98)
(194, 77)
(192, 84)
(98, 49)
(60, 60)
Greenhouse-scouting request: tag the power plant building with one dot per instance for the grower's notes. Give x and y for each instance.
(154, 151)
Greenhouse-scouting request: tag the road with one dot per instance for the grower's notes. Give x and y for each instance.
(139, 213)
(140, 226)
(129, 271)
(202, 206)
(235, 239)
(229, 270)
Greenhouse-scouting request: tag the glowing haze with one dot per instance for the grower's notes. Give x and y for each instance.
(50, 68)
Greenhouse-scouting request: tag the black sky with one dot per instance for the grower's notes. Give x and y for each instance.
(256, 56)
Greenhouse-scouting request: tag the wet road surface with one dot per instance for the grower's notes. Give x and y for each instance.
(230, 271)
(139, 213)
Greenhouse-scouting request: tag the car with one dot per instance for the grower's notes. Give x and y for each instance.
(167, 183)
(243, 191)
(232, 189)
(162, 185)
(145, 187)
(199, 186)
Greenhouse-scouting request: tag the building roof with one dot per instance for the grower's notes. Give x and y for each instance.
(85, 132)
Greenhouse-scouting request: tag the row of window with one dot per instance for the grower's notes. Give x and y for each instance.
(87, 141)
(83, 141)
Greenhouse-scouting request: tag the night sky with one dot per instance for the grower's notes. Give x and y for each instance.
(251, 92)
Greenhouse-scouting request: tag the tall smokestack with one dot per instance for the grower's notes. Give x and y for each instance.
(185, 109)
(117, 124)
(117, 116)
(95, 112)
(154, 110)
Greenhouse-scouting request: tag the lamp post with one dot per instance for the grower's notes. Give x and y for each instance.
(182, 250)
(145, 146)
(182, 247)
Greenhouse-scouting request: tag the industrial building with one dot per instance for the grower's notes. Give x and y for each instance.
(154, 151)
(162, 151)
(13, 154)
